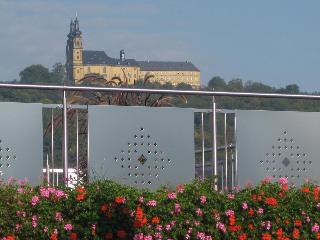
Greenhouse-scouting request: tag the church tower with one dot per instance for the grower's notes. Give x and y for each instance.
(74, 51)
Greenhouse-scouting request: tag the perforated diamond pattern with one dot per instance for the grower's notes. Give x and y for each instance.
(141, 146)
(142, 159)
(7, 158)
(286, 158)
(21, 142)
(278, 144)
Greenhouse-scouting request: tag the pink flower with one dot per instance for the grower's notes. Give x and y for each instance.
(59, 216)
(260, 211)
(203, 199)
(20, 190)
(68, 227)
(159, 228)
(152, 203)
(34, 221)
(18, 226)
(196, 223)
(315, 228)
(229, 213)
(60, 194)
(221, 226)
(141, 199)
(199, 212)
(45, 229)
(34, 200)
(180, 188)
(267, 179)
(283, 180)
(44, 192)
(201, 236)
(172, 195)
(230, 196)
(244, 206)
(168, 227)
(177, 208)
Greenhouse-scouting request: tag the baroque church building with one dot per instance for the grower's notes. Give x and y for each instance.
(81, 63)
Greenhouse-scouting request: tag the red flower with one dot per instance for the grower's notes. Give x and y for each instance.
(104, 207)
(250, 226)
(266, 236)
(10, 237)
(140, 218)
(80, 197)
(316, 193)
(279, 233)
(242, 236)
(120, 200)
(297, 223)
(284, 187)
(54, 236)
(305, 189)
(232, 220)
(296, 233)
(251, 212)
(73, 236)
(155, 220)
(81, 193)
(121, 234)
(271, 201)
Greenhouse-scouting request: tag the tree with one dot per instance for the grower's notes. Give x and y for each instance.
(235, 85)
(217, 83)
(292, 88)
(35, 74)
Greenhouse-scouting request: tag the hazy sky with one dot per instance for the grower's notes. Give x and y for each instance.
(276, 42)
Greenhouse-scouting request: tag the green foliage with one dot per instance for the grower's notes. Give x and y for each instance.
(107, 210)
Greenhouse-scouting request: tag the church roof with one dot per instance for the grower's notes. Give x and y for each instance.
(90, 57)
(101, 58)
(167, 66)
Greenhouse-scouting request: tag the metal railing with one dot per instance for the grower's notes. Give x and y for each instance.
(213, 111)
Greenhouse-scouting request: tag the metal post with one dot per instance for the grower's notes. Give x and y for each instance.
(222, 177)
(214, 142)
(225, 150)
(88, 145)
(48, 170)
(202, 144)
(235, 152)
(65, 139)
(232, 171)
(77, 140)
(52, 146)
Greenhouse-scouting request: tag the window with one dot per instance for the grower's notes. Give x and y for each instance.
(104, 70)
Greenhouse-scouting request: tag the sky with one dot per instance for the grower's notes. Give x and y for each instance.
(276, 42)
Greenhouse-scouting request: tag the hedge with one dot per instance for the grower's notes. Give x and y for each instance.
(107, 210)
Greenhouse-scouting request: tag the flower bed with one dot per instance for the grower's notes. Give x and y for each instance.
(106, 210)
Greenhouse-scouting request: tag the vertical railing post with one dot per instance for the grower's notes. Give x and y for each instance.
(48, 170)
(235, 152)
(77, 142)
(65, 138)
(225, 151)
(214, 142)
(202, 144)
(52, 146)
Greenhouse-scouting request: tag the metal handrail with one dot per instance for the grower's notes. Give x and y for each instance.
(213, 111)
(158, 91)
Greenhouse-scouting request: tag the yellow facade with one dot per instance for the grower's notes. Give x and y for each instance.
(174, 77)
(81, 63)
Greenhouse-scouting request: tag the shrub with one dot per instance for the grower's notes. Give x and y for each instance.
(107, 210)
